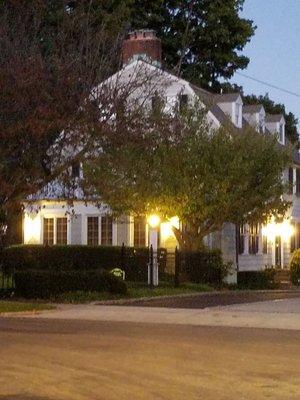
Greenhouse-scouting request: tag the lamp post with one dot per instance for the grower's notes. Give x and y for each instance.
(153, 222)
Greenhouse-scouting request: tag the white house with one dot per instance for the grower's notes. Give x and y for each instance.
(49, 219)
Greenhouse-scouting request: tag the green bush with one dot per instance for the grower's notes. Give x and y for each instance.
(295, 267)
(205, 266)
(257, 280)
(81, 258)
(45, 284)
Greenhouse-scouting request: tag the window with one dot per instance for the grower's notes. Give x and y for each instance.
(183, 102)
(265, 244)
(253, 238)
(61, 231)
(281, 133)
(241, 239)
(298, 182)
(297, 235)
(48, 231)
(293, 240)
(75, 170)
(106, 230)
(157, 103)
(139, 232)
(291, 180)
(237, 113)
(93, 231)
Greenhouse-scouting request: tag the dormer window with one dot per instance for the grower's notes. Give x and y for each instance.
(281, 133)
(75, 170)
(183, 102)
(238, 110)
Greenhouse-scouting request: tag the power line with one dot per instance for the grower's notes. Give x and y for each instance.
(269, 84)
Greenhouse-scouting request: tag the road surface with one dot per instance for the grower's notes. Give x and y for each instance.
(48, 359)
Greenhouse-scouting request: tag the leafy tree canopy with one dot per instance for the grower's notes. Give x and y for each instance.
(179, 166)
(201, 39)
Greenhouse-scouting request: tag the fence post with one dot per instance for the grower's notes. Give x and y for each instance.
(150, 280)
(177, 266)
(123, 257)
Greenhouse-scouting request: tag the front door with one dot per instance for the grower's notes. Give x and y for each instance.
(278, 259)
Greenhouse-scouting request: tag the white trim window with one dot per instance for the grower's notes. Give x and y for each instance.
(48, 231)
(61, 230)
(253, 238)
(55, 231)
(139, 235)
(93, 231)
(106, 230)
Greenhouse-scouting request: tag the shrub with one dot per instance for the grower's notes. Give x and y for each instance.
(205, 266)
(295, 267)
(46, 284)
(257, 280)
(81, 258)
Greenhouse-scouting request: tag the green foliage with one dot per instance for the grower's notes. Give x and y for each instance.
(257, 280)
(295, 267)
(16, 306)
(44, 284)
(205, 266)
(183, 167)
(200, 39)
(81, 258)
(271, 107)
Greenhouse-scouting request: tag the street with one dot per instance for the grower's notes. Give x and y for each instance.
(49, 359)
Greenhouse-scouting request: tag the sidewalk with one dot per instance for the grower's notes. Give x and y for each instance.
(275, 314)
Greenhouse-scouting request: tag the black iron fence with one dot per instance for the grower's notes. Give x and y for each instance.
(7, 281)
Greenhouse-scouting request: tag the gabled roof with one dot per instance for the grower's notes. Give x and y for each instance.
(227, 98)
(274, 117)
(219, 114)
(252, 108)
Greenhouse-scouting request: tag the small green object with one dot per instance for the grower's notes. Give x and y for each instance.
(118, 272)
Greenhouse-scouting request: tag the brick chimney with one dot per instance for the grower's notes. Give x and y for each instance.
(142, 45)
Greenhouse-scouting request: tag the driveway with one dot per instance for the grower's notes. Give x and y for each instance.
(44, 359)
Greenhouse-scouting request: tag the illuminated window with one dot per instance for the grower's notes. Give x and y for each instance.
(139, 232)
(93, 231)
(61, 231)
(48, 231)
(106, 230)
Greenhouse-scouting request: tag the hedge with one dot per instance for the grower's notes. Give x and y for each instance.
(80, 258)
(295, 267)
(259, 280)
(46, 284)
(205, 266)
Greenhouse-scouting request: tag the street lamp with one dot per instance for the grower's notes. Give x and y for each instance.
(153, 222)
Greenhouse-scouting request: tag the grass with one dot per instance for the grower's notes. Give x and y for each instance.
(135, 290)
(17, 306)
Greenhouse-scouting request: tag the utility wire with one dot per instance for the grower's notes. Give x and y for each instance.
(269, 84)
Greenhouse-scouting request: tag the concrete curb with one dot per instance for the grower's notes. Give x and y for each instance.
(183, 295)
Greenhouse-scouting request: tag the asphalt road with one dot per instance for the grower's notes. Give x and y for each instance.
(75, 360)
(204, 300)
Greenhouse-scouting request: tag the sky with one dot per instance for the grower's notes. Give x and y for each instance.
(274, 51)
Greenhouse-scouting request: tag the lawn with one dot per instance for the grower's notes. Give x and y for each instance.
(17, 306)
(135, 290)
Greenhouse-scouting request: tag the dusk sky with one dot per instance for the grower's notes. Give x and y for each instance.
(274, 51)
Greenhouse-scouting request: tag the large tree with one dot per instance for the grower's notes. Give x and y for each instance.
(179, 166)
(51, 58)
(201, 39)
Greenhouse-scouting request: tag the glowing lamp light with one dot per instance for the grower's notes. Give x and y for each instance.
(153, 221)
(32, 229)
(167, 228)
(284, 229)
